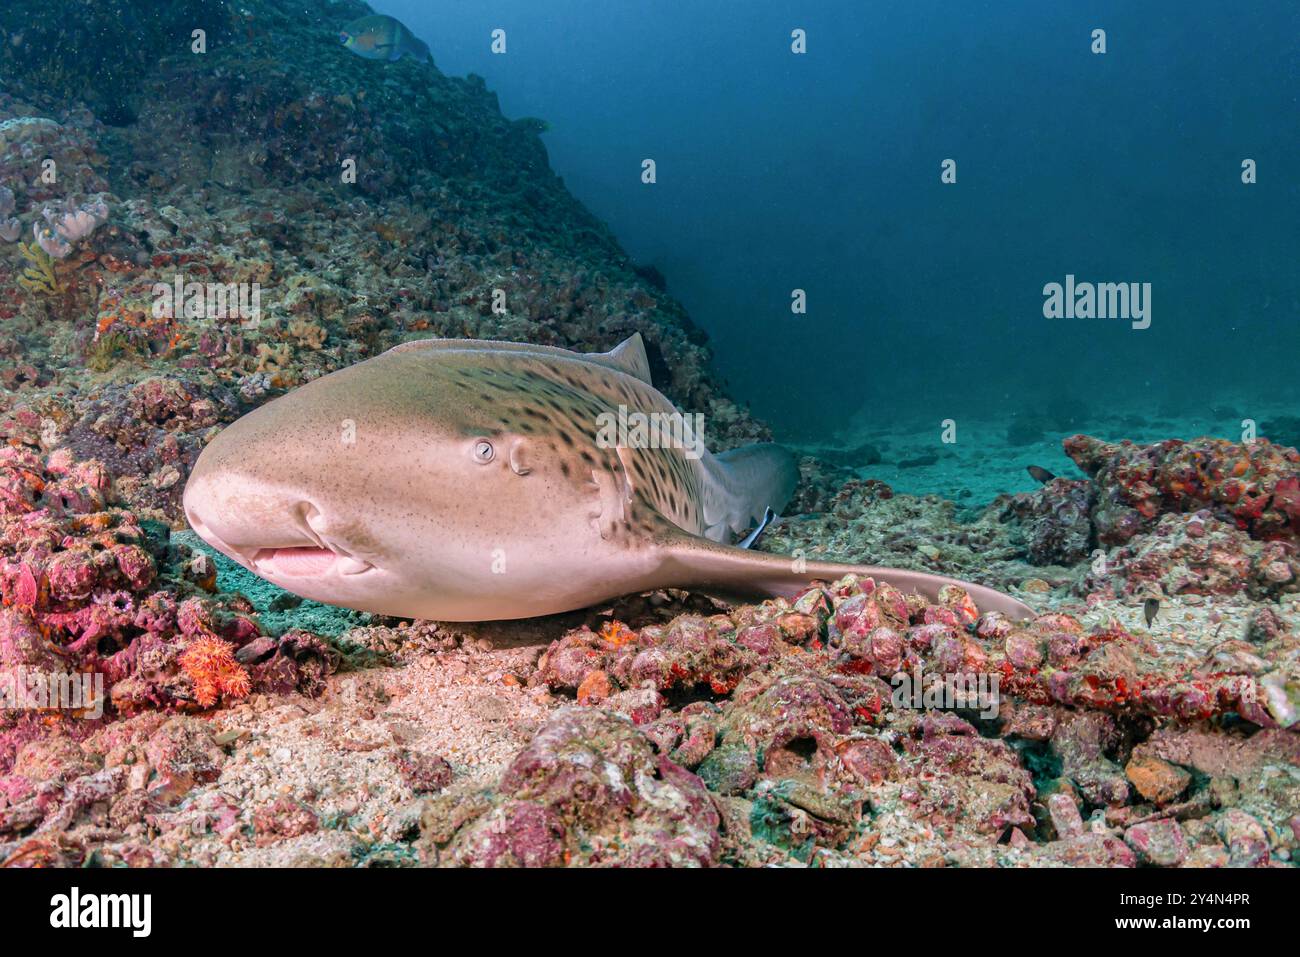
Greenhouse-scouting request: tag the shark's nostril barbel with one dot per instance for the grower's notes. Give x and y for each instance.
(313, 522)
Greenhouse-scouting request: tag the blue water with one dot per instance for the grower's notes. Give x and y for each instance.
(821, 172)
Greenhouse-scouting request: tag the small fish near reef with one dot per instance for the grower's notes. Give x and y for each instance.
(379, 37)
(464, 480)
(1150, 608)
(1039, 474)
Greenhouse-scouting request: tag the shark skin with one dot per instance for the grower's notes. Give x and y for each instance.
(465, 480)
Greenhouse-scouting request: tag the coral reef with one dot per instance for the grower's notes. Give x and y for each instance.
(111, 388)
(1056, 521)
(1198, 554)
(786, 714)
(1256, 484)
(588, 787)
(740, 736)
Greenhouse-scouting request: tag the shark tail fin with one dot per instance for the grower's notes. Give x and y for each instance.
(744, 573)
(743, 484)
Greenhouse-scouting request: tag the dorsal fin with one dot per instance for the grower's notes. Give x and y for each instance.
(629, 355)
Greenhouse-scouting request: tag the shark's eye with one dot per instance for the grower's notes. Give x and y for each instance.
(483, 451)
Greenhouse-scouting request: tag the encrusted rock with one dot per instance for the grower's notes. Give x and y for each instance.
(589, 788)
(1157, 780)
(1160, 843)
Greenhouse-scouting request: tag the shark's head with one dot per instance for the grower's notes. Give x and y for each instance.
(401, 485)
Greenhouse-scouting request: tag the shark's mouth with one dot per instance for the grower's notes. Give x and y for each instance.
(306, 562)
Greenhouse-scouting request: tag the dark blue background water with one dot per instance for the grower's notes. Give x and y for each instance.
(822, 172)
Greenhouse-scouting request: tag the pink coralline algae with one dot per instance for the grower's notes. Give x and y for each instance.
(1198, 554)
(873, 629)
(787, 712)
(147, 434)
(1255, 485)
(1056, 521)
(117, 777)
(589, 788)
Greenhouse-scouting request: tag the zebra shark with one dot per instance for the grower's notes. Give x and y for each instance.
(467, 480)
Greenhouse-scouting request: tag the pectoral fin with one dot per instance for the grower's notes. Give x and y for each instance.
(749, 540)
(694, 562)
